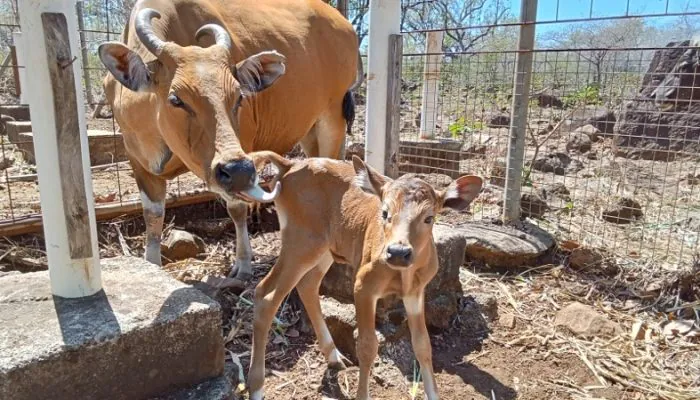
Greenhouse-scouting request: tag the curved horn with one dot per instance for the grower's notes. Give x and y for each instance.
(222, 37)
(144, 30)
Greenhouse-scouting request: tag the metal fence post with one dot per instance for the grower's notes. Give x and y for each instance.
(431, 81)
(518, 124)
(55, 96)
(384, 20)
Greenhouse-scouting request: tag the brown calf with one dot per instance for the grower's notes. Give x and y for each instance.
(332, 210)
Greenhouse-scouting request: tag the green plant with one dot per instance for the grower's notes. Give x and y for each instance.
(463, 125)
(589, 94)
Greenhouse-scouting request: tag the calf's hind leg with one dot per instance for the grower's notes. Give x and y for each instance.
(291, 266)
(308, 288)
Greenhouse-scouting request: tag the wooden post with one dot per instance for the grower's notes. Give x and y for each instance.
(15, 71)
(343, 7)
(20, 73)
(84, 54)
(61, 145)
(393, 107)
(384, 20)
(431, 80)
(518, 124)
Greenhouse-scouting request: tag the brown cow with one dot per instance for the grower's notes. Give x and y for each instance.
(333, 210)
(191, 87)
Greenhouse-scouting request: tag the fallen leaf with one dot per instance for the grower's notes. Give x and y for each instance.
(638, 330)
(106, 198)
(569, 245)
(678, 328)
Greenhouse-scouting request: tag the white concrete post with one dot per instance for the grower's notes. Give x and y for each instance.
(384, 20)
(19, 52)
(431, 81)
(61, 145)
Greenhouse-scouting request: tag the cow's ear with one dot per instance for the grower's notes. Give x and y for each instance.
(125, 65)
(259, 71)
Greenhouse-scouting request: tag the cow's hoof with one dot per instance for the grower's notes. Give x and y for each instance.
(239, 274)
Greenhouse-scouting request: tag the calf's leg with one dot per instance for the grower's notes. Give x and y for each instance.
(421, 342)
(242, 269)
(367, 343)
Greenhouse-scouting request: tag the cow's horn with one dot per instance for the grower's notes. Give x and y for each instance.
(144, 30)
(222, 37)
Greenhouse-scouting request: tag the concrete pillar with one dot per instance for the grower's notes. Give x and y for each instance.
(431, 82)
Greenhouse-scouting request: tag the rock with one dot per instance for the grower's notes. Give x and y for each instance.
(507, 321)
(541, 127)
(584, 321)
(498, 172)
(180, 245)
(545, 100)
(557, 189)
(341, 322)
(589, 130)
(7, 159)
(505, 246)
(661, 129)
(624, 212)
(557, 163)
(532, 205)
(439, 311)
(476, 311)
(587, 259)
(603, 120)
(693, 179)
(499, 121)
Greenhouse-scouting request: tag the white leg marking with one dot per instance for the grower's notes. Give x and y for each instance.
(413, 304)
(153, 213)
(257, 395)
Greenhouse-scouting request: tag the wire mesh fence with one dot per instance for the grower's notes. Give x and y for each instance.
(611, 154)
(611, 140)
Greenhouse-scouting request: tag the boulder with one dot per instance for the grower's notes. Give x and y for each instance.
(662, 130)
(499, 121)
(589, 130)
(579, 143)
(532, 205)
(584, 321)
(515, 245)
(557, 163)
(180, 245)
(603, 120)
(625, 211)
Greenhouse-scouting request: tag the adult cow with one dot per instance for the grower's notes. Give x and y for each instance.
(191, 87)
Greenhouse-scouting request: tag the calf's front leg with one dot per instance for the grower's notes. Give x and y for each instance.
(242, 269)
(420, 341)
(367, 343)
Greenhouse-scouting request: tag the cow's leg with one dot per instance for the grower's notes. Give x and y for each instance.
(152, 189)
(327, 137)
(242, 268)
(367, 343)
(308, 292)
(421, 343)
(293, 263)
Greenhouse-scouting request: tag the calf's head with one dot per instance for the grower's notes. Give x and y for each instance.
(197, 94)
(408, 209)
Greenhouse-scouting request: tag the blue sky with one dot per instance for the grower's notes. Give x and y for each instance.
(547, 10)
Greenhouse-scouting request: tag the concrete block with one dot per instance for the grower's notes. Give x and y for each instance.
(15, 128)
(214, 389)
(105, 147)
(145, 335)
(430, 156)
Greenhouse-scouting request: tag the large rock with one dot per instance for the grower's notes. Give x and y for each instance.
(505, 246)
(499, 121)
(603, 120)
(180, 245)
(557, 163)
(645, 130)
(579, 143)
(145, 335)
(584, 321)
(625, 211)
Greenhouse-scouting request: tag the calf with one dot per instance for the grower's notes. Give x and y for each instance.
(333, 210)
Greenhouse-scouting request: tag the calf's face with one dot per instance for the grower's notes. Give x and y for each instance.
(409, 207)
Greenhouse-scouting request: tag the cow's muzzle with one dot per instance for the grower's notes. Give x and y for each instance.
(240, 179)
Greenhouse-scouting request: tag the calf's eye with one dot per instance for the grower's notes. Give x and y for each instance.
(385, 214)
(429, 220)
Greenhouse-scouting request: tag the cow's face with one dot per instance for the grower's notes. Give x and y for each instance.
(409, 206)
(198, 94)
(682, 84)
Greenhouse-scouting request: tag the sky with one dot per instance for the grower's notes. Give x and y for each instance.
(549, 10)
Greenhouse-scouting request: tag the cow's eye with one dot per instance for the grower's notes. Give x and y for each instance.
(385, 215)
(429, 220)
(175, 101)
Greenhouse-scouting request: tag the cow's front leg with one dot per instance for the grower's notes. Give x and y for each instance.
(152, 189)
(242, 269)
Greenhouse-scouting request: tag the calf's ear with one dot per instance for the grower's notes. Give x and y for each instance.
(461, 192)
(125, 65)
(368, 179)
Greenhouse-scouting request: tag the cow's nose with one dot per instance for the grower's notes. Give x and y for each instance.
(235, 176)
(399, 254)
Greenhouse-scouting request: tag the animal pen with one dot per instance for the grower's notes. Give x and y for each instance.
(567, 136)
(589, 132)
